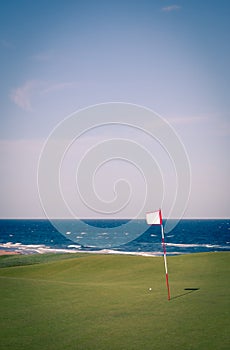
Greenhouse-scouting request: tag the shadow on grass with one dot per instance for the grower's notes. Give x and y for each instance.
(188, 291)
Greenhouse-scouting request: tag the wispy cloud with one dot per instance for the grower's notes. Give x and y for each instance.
(23, 95)
(170, 8)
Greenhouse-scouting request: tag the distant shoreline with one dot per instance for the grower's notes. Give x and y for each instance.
(7, 252)
(66, 251)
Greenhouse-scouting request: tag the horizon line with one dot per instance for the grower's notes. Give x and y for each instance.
(112, 218)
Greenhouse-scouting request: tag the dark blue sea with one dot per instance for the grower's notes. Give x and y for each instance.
(40, 236)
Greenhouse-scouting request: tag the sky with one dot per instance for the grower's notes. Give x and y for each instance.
(58, 57)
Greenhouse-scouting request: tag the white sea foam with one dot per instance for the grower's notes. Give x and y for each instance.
(42, 249)
(74, 246)
(111, 251)
(33, 248)
(181, 245)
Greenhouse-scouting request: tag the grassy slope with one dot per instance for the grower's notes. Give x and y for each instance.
(22, 260)
(104, 302)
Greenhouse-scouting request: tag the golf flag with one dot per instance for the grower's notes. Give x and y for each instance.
(154, 218)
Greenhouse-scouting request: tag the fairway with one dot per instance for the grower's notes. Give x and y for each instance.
(87, 301)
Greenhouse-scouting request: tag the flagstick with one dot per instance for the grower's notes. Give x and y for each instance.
(166, 268)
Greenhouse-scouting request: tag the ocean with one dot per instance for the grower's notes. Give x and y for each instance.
(40, 236)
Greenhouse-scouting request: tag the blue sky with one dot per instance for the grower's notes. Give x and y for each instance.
(170, 56)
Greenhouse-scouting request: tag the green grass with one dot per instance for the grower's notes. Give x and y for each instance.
(21, 260)
(104, 302)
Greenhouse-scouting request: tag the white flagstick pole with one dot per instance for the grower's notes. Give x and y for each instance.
(165, 260)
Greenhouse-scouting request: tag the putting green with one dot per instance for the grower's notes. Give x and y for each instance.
(86, 301)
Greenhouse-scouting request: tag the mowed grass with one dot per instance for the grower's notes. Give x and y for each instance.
(103, 302)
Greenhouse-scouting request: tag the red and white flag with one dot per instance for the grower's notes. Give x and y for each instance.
(154, 218)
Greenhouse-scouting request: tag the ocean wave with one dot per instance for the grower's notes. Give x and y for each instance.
(72, 248)
(179, 248)
(182, 245)
(77, 246)
(117, 252)
(33, 248)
